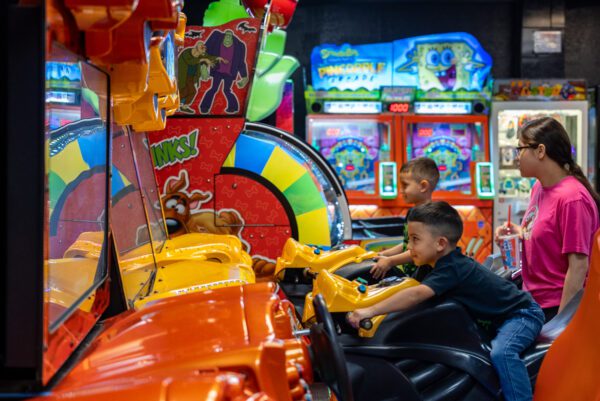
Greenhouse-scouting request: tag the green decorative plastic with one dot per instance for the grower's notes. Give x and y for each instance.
(223, 11)
(272, 70)
(275, 42)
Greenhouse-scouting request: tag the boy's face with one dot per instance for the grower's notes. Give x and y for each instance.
(412, 190)
(423, 244)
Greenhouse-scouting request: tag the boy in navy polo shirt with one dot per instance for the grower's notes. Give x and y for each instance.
(434, 229)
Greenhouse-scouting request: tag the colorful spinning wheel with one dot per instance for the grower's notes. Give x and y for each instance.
(292, 177)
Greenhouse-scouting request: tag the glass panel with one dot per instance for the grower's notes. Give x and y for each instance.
(128, 219)
(149, 189)
(452, 146)
(352, 147)
(334, 210)
(76, 139)
(510, 182)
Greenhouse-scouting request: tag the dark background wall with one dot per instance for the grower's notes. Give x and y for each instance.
(582, 41)
(498, 25)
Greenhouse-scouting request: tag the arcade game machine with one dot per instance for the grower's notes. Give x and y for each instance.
(256, 182)
(67, 330)
(423, 96)
(516, 102)
(349, 127)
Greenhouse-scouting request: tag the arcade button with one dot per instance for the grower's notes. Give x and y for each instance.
(362, 288)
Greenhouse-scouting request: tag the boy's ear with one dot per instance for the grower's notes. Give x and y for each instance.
(424, 185)
(441, 244)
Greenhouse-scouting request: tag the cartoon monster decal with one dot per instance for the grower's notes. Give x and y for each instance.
(194, 67)
(231, 67)
(214, 67)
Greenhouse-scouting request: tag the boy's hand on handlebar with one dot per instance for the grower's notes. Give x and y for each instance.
(355, 317)
(505, 229)
(379, 269)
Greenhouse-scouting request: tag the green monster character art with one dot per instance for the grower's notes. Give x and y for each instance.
(445, 66)
(193, 66)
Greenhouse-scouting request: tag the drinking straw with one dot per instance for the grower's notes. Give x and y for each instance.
(508, 219)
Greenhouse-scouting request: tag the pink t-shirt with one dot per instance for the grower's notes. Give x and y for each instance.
(559, 220)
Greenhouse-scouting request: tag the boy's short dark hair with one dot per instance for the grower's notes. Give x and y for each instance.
(422, 168)
(441, 218)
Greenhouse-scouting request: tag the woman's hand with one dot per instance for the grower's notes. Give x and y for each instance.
(355, 317)
(505, 229)
(383, 265)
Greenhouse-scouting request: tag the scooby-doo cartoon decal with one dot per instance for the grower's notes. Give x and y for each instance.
(264, 190)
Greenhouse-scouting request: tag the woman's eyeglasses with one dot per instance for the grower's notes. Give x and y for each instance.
(517, 150)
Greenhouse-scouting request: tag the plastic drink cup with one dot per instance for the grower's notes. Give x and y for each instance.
(510, 250)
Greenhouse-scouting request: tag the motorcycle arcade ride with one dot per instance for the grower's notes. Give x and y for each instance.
(434, 351)
(299, 265)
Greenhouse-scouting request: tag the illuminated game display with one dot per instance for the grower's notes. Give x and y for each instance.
(352, 148)
(453, 146)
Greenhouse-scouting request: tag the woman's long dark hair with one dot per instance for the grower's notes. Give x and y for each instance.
(551, 133)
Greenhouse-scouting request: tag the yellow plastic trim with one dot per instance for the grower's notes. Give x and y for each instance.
(298, 255)
(342, 295)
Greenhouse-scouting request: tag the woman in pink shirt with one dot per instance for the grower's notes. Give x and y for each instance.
(561, 219)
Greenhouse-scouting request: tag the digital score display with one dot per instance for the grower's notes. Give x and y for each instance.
(443, 107)
(399, 107)
(341, 107)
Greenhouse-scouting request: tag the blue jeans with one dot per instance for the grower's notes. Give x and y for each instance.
(517, 333)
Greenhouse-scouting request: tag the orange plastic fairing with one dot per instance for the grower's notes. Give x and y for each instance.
(129, 41)
(100, 14)
(200, 345)
(571, 368)
(60, 27)
(161, 95)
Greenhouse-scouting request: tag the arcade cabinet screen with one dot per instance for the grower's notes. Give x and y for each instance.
(453, 146)
(352, 147)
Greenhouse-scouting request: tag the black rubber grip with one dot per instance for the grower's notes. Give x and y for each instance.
(366, 324)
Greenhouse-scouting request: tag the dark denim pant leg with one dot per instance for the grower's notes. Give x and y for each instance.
(517, 333)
